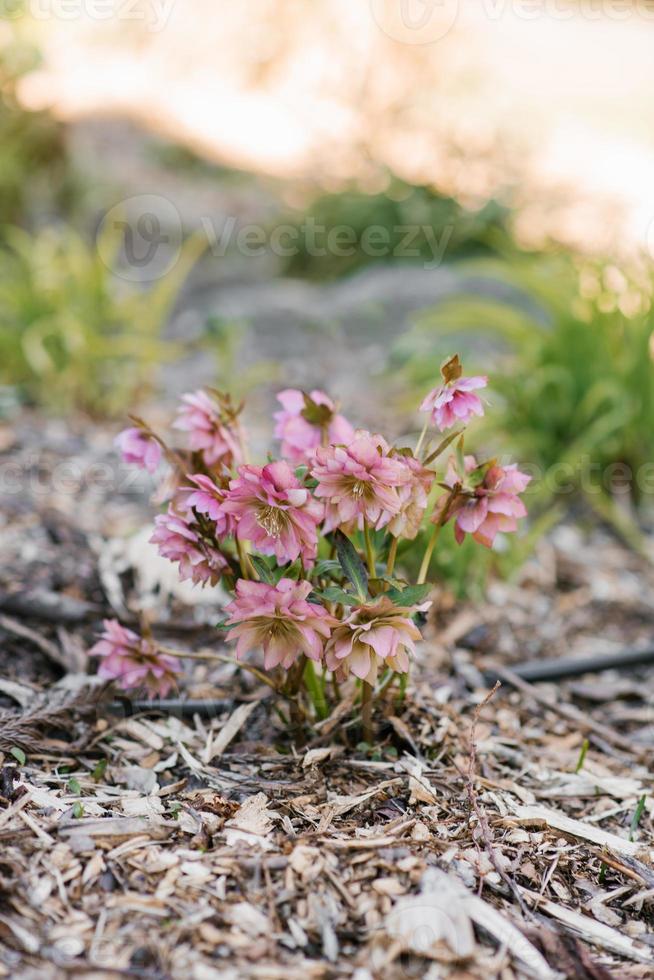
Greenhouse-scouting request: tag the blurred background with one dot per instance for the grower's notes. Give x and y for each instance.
(339, 194)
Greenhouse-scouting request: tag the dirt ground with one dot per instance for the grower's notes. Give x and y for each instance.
(484, 835)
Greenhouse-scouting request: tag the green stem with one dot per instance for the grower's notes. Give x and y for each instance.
(370, 554)
(315, 690)
(421, 438)
(392, 554)
(243, 559)
(424, 568)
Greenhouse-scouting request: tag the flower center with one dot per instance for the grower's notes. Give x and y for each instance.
(359, 488)
(272, 520)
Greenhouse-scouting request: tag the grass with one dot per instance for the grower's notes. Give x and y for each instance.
(35, 176)
(74, 336)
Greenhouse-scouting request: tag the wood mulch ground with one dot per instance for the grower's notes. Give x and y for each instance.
(487, 834)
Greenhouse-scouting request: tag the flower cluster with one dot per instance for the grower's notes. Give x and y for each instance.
(483, 500)
(307, 543)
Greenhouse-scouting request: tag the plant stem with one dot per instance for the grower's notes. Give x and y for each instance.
(242, 559)
(421, 438)
(315, 690)
(370, 554)
(424, 568)
(220, 658)
(366, 711)
(392, 554)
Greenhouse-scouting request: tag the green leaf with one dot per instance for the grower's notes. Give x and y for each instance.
(74, 786)
(334, 594)
(351, 563)
(327, 566)
(99, 770)
(635, 820)
(442, 446)
(78, 811)
(410, 596)
(264, 571)
(314, 413)
(18, 754)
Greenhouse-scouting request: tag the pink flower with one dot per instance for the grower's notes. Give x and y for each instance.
(359, 481)
(484, 501)
(213, 428)
(133, 661)
(376, 633)
(206, 498)
(306, 421)
(182, 540)
(453, 401)
(139, 448)
(274, 511)
(279, 619)
(414, 496)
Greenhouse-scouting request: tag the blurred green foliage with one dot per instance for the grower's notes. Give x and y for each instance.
(72, 335)
(568, 347)
(416, 221)
(35, 176)
(466, 569)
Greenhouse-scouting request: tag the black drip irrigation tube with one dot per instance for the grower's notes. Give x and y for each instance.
(532, 672)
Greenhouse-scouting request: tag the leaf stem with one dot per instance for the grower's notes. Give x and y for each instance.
(424, 568)
(315, 690)
(370, 554)
(392, 554)
(220, 658)
(242, 559)
(421, 438)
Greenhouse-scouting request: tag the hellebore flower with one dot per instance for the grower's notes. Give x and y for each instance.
(139, 448)
(453, 401)
(133, 662)
(181, 539)
(375, 633)
(272, 509)
(484, 501)
(359, 481)
(213, 428)
(279, 619)
(414, 496)
(207, 498)
(306, 422)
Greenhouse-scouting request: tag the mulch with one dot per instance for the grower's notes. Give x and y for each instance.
(485, 834)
